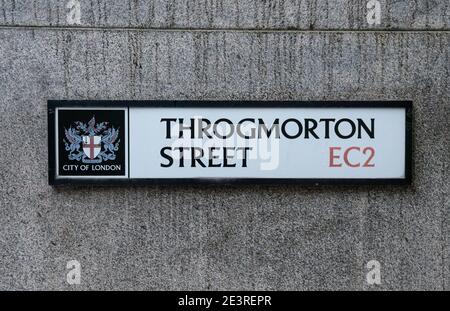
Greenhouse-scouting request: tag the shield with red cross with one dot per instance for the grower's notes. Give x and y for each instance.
(91, 146)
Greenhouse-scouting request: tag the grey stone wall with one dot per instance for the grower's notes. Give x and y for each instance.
(279, 237)
(230, 14)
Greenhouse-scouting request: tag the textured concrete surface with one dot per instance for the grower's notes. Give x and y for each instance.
(221, 237)
(267, 14)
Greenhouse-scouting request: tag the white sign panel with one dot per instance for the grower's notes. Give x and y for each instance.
(315, 142)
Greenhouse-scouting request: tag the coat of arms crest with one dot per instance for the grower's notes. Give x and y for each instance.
(90, 138)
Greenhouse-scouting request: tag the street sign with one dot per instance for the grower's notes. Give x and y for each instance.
(229, 141)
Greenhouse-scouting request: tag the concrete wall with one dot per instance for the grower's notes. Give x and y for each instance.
(275, 237)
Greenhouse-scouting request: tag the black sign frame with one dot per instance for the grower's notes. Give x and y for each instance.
(52, 105)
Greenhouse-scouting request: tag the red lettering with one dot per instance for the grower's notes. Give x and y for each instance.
(371, 156)
(333, 157)
(346, 160)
